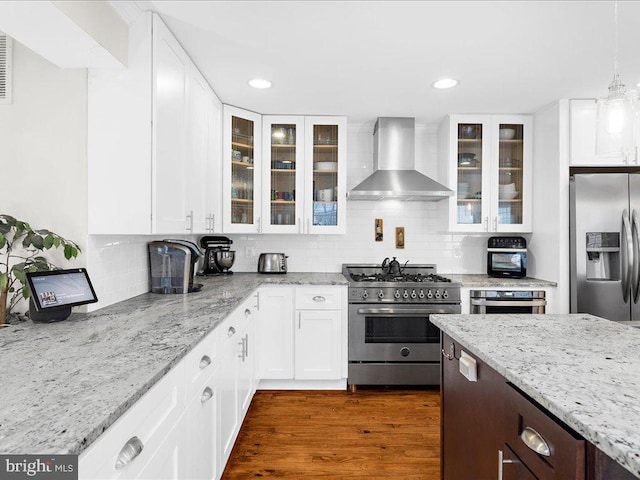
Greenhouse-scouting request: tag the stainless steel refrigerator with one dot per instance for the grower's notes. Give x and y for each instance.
(604, 223)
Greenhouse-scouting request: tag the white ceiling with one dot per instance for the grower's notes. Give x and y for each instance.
(366, 59)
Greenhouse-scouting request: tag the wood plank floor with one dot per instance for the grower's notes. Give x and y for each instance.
(372, 434)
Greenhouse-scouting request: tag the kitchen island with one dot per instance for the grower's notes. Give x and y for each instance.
(65, 383)
(583, 370)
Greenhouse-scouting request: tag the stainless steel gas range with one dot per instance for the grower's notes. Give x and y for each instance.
(391, 340)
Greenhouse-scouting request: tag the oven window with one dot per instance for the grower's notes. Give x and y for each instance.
(506, 262)
(399, 329)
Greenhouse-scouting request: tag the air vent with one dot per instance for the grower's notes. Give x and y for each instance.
(5, 69)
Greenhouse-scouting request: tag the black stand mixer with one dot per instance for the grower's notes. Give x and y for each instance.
(218, 259)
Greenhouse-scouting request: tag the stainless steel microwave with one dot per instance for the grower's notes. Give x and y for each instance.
(507, 257)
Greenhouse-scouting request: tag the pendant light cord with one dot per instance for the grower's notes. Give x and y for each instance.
(615, 23)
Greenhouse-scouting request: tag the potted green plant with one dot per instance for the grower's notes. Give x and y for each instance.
(21, 251)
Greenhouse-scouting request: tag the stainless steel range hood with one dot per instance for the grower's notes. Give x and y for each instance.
(395, 176)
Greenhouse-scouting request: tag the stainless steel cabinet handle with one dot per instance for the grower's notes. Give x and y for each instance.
(207, 393)
(501, 462)
(231, 332)
(635, 270)
(205, 361)
(258, 224)
(129, 452)
(241, 343)
(452, 352)
(246, 345)
(495, 224)
(535, 442)
(308, 223)
(299, 224)
(319, 298)
(404, 312)
(486, 224)
(508, 303)
(299, 320)
(627, 256)
(190, 221)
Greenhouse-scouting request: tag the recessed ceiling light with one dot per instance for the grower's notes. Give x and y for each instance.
(260, 83)
(445, 83)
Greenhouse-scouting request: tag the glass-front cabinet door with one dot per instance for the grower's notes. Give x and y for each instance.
(283, 174)
(490, 170)
(241, 170)
(511, 174)
(325, 177)
(471, 146)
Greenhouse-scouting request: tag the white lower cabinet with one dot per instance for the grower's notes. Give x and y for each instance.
(148, 433)
(186, 425)
(275, 332)
(318, 354)
(201, 432)
(302, 333)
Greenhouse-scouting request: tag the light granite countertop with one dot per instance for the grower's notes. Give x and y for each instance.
(585, 370)
(63, 384)
(485, 281)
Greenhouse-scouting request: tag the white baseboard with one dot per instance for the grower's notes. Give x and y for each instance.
(303, 384)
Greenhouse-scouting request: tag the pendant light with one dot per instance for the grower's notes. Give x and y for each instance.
(616, 114)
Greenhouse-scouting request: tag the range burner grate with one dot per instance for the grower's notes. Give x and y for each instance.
(405, 277)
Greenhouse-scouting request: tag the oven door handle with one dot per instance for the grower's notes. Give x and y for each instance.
(509, 303)
(400, 311)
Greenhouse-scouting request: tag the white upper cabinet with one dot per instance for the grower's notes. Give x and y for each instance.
(283, 174)
(241, 169)
(488, 160)
(169, 146)
(325, 176)
(152, 140)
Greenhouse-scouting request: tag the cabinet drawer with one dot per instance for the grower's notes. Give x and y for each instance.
(150, 419)
(201, 362)
(566, 449)
(319, 298)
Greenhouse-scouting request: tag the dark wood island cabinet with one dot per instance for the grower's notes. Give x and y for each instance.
(492, 430)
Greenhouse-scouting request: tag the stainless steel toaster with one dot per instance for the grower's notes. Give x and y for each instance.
(272, 263)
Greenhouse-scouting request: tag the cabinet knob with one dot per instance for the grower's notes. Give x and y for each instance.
(247, 312)
(231, 332)
(205, 361)
(535, 442)
(319, 298)
(129, 452)
(207, 393)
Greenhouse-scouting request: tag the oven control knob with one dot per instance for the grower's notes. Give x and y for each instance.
(365, 295)
(405, 352)
(380, 294)
(445, 294)
(397, 294)
(429, 294)
(405, 295)
(437, 293)
(421, 294)
(414, 294)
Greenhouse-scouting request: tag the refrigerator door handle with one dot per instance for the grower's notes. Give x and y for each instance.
(627, 256)
(635, 272)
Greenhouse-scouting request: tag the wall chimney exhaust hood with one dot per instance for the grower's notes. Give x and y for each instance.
(395, 176)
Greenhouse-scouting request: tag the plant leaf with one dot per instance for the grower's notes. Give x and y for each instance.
(37, 241)
(56, 241)
(3, 241)
(26, 291)
(20, 275)
(9, 220)
(67, 252)
(48, 241)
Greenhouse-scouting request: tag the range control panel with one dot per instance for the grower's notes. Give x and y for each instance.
(404, 294)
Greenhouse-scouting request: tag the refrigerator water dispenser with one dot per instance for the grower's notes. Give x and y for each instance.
(603, 256)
